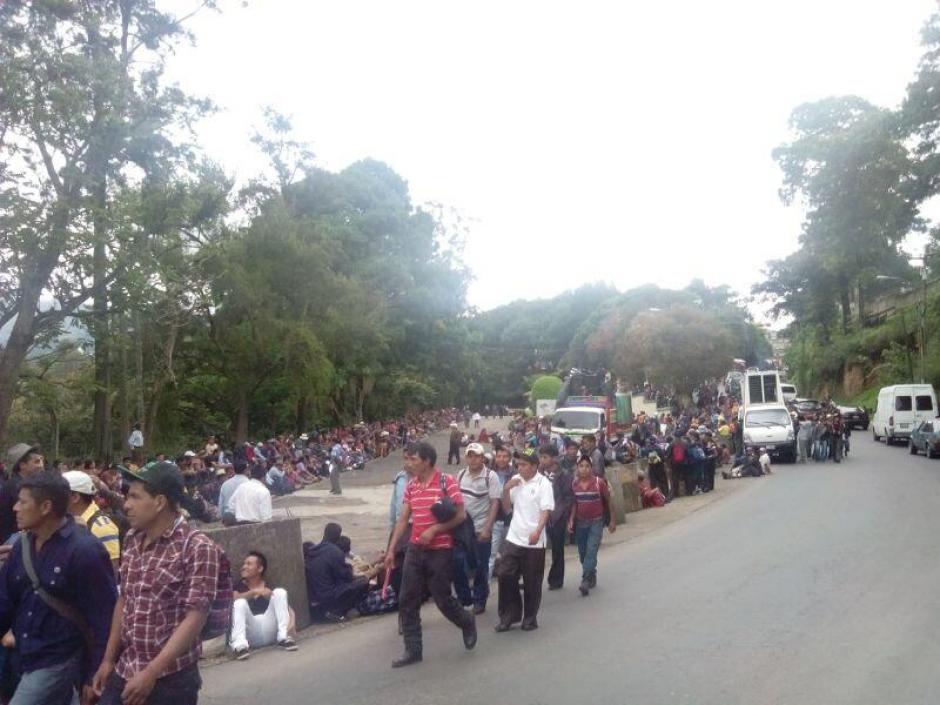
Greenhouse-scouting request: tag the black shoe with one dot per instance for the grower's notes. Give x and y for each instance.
(503, 627)
(470, 635)
(406, 659)
(554, 587)
(528, 626)
(592, 580)
(479, 609)
(288, 644)
(584, 587)
(334, 617)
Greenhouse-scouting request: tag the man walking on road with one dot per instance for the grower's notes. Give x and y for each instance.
(481, 492)
(504, 470)
(590, 449)
(169, 579)
(429, 561)
(57, 593)
(529, 495)
(453, 446)
(558, 521)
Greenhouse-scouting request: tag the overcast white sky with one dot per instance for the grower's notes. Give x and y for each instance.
(626, 142)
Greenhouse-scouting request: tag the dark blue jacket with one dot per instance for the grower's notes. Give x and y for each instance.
(327, 571)
(74, 566)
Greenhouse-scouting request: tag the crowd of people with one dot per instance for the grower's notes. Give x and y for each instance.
(508, 513)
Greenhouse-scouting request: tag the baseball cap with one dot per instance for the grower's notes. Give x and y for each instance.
(189, 454)
(453, 424)
(16, 453)
(528, 456)
(162, 477)
(80, 482)
(475, 448)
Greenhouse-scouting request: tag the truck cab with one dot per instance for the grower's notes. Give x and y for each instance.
(576, 422)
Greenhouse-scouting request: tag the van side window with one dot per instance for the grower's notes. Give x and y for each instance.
(902, 404)
(770, 388)
(924, 403)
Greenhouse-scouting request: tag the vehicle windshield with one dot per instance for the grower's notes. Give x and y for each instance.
(576, 419)
(767, 417)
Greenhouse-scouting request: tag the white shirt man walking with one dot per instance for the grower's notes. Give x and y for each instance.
(530, 497)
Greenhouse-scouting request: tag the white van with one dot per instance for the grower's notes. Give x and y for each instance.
(900, 410)
(789, 392)
(769, 426)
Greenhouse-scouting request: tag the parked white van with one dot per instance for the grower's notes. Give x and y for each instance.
(789, 392)
(900, 410)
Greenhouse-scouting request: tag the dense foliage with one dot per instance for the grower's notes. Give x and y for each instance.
(863, 173)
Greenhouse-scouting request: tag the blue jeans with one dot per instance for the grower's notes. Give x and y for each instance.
(587, 534)
(54, 685)
(481, 574)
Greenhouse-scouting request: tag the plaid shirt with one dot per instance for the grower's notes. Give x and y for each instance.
(159, 586)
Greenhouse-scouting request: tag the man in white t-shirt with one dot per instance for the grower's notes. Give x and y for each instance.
(529, 497)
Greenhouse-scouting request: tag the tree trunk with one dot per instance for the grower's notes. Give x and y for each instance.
(33, 279)
(165, 375)
(139, 372)
(125, 393)
(241, 419)
(861, 306)
(101, 333)
(300, 417)
(54, 423)
(846, 304)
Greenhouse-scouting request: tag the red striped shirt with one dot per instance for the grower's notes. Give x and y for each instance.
(421, 497)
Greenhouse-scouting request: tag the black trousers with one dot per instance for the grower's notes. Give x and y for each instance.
(453, 452)
(518, 562)
(557, 535)
(427, 571)
(346, 596)
(180, 688)
(658, 478)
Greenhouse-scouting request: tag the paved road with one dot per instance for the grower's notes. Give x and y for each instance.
(820, 584)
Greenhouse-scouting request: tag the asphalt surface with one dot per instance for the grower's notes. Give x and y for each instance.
(819, 584)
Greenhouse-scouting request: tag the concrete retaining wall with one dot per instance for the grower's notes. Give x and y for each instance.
(280, 542)
(624, 477)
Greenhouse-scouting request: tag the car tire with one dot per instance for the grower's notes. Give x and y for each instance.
(911, 448)
(874, 436)
(927, 452)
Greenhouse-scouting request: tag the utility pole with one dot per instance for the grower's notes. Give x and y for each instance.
(923, 319)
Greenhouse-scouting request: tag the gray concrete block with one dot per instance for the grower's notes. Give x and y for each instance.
(280, 542)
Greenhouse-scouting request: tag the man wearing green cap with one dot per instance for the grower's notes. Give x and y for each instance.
(169, 575)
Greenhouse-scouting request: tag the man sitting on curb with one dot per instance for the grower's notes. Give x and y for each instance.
(331, 585)
(260, 615)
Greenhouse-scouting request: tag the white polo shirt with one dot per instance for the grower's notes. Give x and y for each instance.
(251, 502)
(529, 500)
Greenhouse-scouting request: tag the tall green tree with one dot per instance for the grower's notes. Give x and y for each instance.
(849, 166)
(85, 112)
